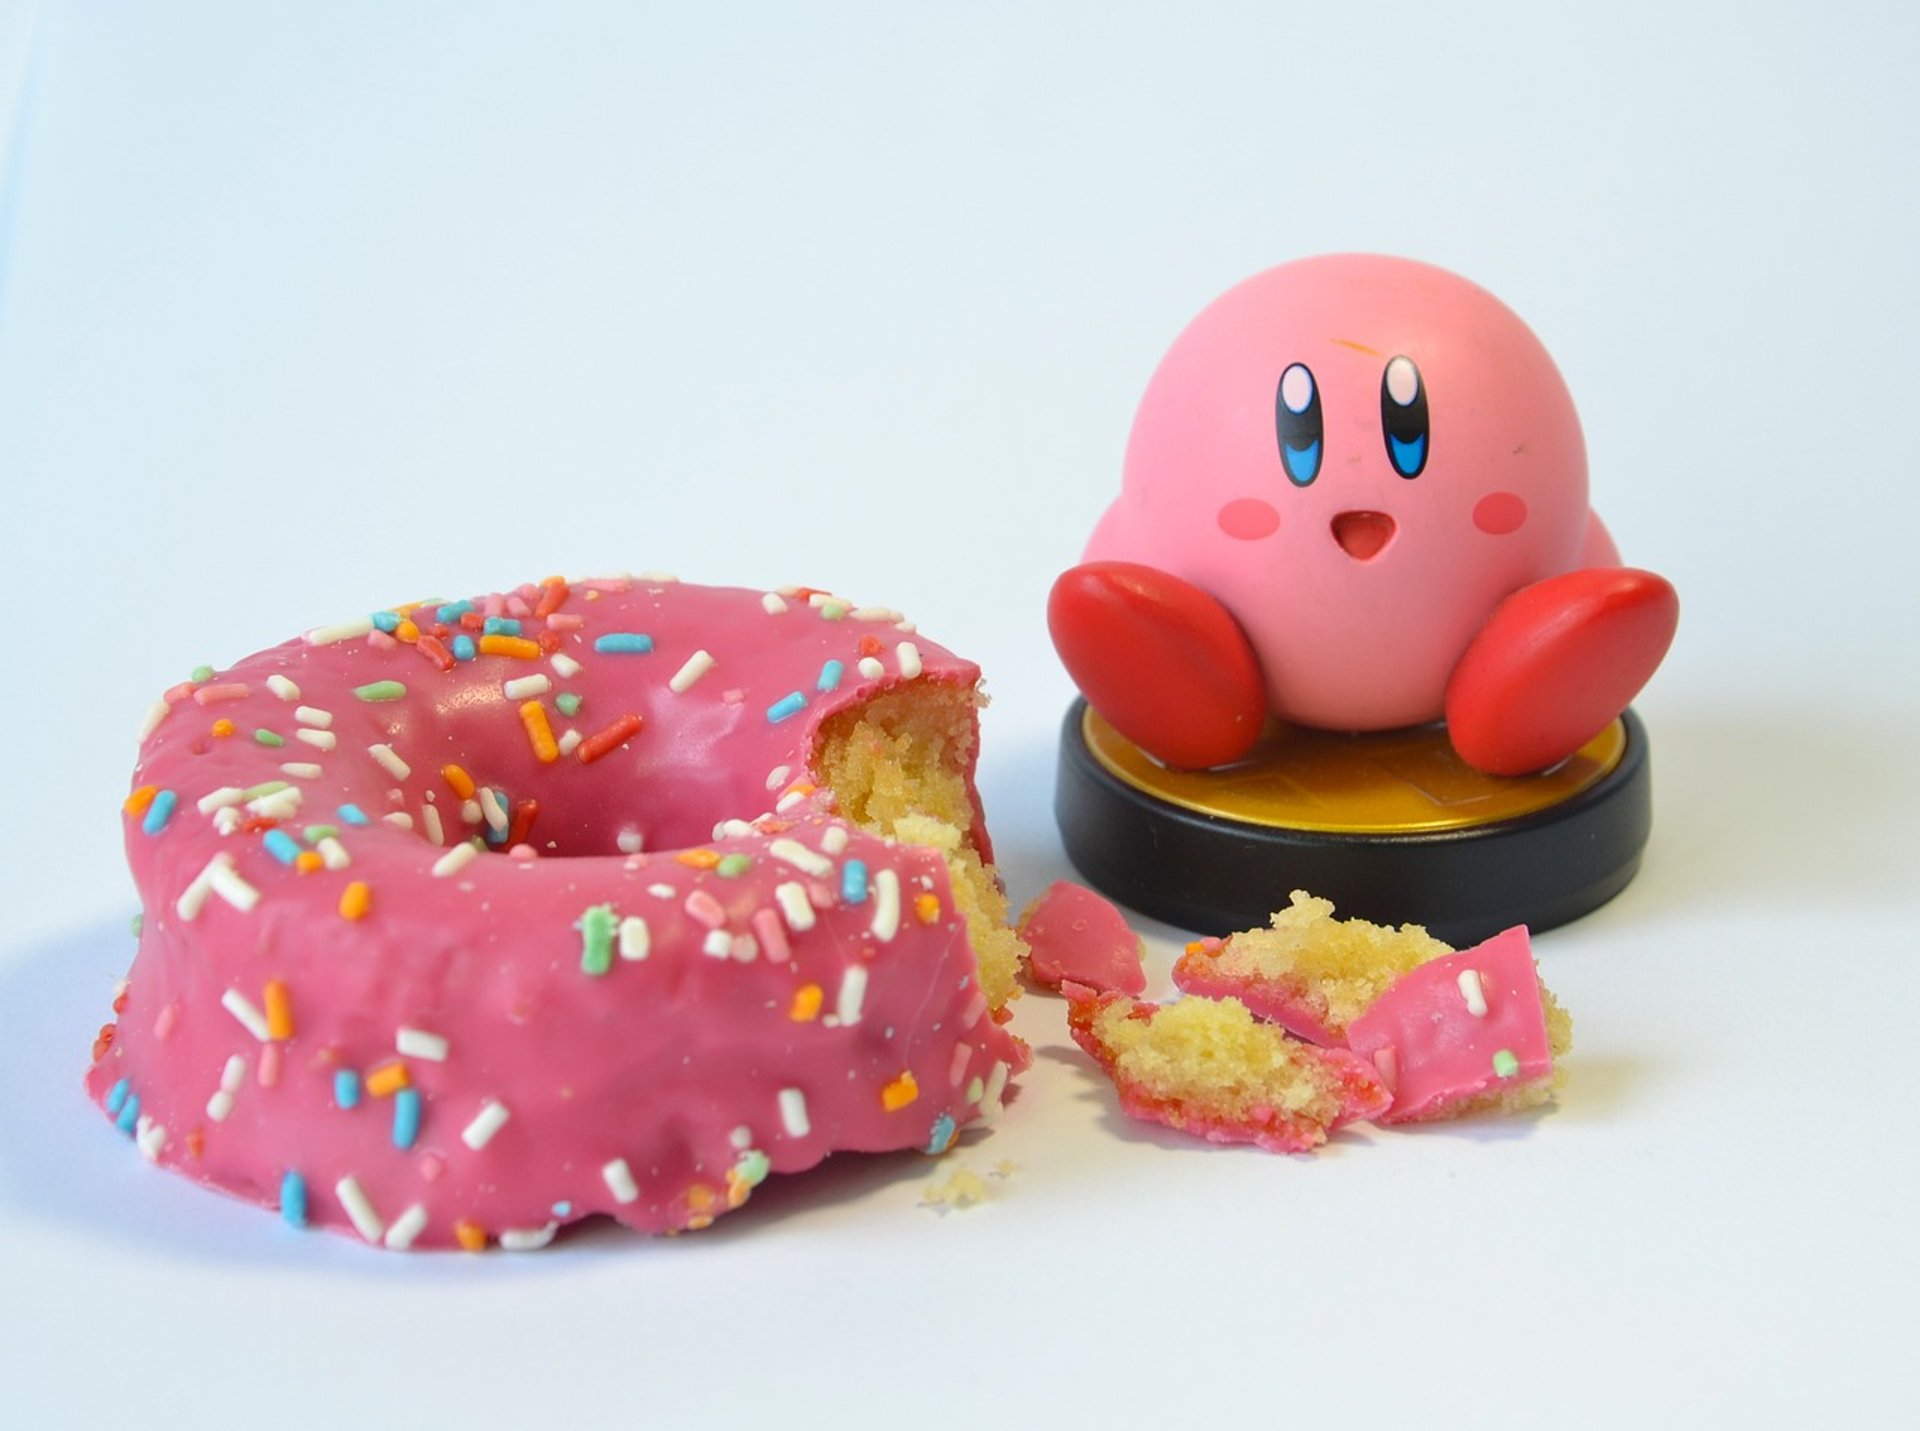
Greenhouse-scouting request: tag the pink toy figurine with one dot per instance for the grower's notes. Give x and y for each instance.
(1356, 499)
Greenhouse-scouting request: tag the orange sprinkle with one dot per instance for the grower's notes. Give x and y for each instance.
(389, 1078)
(927, 908)
(870, 646)
(799, 787)
(516, 646)
(700, 1198)
(279, 1011)
(698, 859)
(533, 716)
(461, 782)
(355, 900)
(223, 728)
(406, 631)
(136, 803)
(470, 1235)
(899, 1093)
(806, 1004)
(554, 592)
(309, 862)
(607, 740)
(196, 1143)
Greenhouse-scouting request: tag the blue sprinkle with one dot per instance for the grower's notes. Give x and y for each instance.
(159, 812)
(500, 626)
(293, 1199)
(499, 836)
(346, 1087)
(463, 647)
(944, 1129)
(853, 881)
(387, 621)
(406, 1117)
(787, 705)
(282, 846)
(353, 815)
(830, 675)
(129, 1114)
(619, 643)
(563, 1208)
(117, 1096)
(454, 610)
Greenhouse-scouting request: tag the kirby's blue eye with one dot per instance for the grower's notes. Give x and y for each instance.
(1403, 416)
(1297, 420)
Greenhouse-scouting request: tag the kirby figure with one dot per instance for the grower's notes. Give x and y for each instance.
(1355, 499)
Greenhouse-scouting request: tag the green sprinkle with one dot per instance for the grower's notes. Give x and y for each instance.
(380, 691)
(267, 737)
(1505, 1064)
(202, 673)
(733, 866)
(316, 833)
(568, 702)
(269, 787)
(596, 939)
(753, 1167)
(833, 610)
(136, 922)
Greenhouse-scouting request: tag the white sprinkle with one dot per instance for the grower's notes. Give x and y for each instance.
(470, 811)
(319, 739)
(661, 578)
(886, 906)
(564, 665)
(491, 1118)
(741, 1138)
(409, 1225)
(908, 655)
(777, 776)
(1471, 991)
(871, 668)
(635, 938)
(418, 1043)
(195, 894)
(332, 853)
(490, 806)
(400, 819)
(772, 603)
(793, 1113)
(156, 713)
(697, 665)
(619, 1179)
(313, 716)
(245, 1010)
(907, 626)
(718, 944)
(277, 805)
(219, 799)
(569, 741)
(801, 858)
(226, 882)
(455, 860)
(430, 821)
(359, 1208)
(389, 762)
(301, 770)
(661, 891)
(996, 1085)
(795, 907)
(630, 841)
(220, 1105)
(787, 801)
(874, 613)
(853, 993)
(345, 631)
(282, 687)
(226, 821)
(234, 1074)
(745, 948)
(733, 830)
(150, 1137)
(522, 687)
(821, 598)
(834, 840)
(527, 1239)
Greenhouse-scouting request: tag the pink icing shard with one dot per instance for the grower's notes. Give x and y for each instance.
(1278, 1001)
(1075, 935)
(1432, 1047)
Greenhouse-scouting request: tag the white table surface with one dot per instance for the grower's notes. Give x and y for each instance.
(304, 305)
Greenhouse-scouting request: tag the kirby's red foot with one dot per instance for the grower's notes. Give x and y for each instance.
(1162, 660)
(1555, 663)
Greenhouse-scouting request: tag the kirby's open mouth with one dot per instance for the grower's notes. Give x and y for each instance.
(1362, 534)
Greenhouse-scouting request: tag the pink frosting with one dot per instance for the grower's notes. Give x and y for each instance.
(1435, 1050)
(1074, 935)
(1278, 1001)
(581, 1028)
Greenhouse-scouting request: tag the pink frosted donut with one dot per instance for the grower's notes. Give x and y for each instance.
(465, 921)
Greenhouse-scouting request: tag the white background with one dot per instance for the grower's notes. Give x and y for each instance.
(308, 308)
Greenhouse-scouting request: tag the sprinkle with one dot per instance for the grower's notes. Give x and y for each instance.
(430, 819)
(194, 896)
(388, 1079)
(380, 691)
(886, 906)
(159, 812)
(596, 939)
(830, 675)
(871, 668)
(282, 846)
(271, 739)
(491, 1118)
(117, 1096)
(533, 716)
(1473, 993)
(790, 704)
(418, 1043)
(458, 779)
(353, 815)
(777, 776)
(332, 853)
(853, 881)
(390, 762)
(249, 1015)
(219, 799)
(564, 665)
(471, 1236)
(406, 1117)
(697, 859)
(623, 643)
(899, 1093)
(553, 595)
(717, 945)
(609, 738)
(521, 687)
(908, 655)
(320, 739)
(517, 647)
(500, 626)
(346, 1087)
(310, 715)
(772, 935)
(359, 1209)
(1505, 1064)
(279, 1009)
(409, 1225)
(635, 938)
(129, 1117)
(795, 907)
(463, 648)
(301, 770)
(833, 609)
(293, 1199)
(399, 819)
(800, 857)
(345, 631)
(493, 810)
(619, 1180)
(527, 1239)
(385, 620)
(455, 860)
(156, 713)
(568, 703)
(734, 865)
(226, 882)
(697, 665)
(453, 611)
(793, 1113)
(996, 1085)
(926, 907)
(834, 840)
(309, 862)
(223, 728)
(943, 1134)
(706, 909)
(806, 1004)
(853, 993)
(568, 742)
(435, 650)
